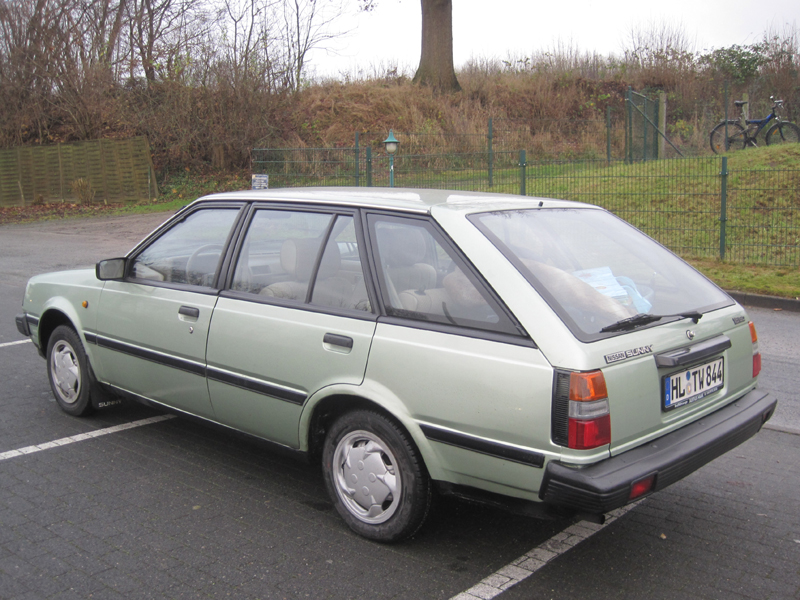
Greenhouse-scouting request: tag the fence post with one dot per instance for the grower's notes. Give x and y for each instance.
(628, 127)
(723, 206)
(358, 170)
(522, 165)
(662, 124)
(369, 166)
(645, 145)
(608, 134)
(746, 108)
(727, 87)
(491, 155)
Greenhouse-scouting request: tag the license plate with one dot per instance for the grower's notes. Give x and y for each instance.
(692, 384)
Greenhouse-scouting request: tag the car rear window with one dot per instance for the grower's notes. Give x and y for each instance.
(595, 269)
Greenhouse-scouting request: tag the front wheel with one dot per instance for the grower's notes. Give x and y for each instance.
(783, 133)
(735, 140)
(375, 477)
(68, 372)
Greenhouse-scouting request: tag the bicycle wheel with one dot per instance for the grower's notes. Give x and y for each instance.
(783, 133)
(736, 137)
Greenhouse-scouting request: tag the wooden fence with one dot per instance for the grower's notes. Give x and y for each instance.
(110, 171)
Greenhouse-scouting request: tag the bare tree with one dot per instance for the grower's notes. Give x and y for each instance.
(160, 32)
(307, 24)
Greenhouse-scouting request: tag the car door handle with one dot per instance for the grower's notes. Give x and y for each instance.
(338, 340)
(189, 311)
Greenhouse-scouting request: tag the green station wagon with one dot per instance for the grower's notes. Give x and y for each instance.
(530, 353)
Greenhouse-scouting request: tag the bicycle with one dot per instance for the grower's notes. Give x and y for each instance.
(739, 136)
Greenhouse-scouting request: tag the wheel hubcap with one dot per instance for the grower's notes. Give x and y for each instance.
(365, 477)
(65, 371)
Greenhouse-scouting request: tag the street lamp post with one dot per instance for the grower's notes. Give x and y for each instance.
(391, 145)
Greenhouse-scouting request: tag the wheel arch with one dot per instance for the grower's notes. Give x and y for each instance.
(50, 319)
(322, 413)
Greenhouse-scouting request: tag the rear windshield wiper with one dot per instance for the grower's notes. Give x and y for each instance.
(644, 318)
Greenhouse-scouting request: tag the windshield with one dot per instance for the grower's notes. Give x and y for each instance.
(597, 271)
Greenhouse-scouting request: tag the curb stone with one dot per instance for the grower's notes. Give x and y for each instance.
(773, 302)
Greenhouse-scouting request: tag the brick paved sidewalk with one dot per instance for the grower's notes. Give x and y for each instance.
(729, 531)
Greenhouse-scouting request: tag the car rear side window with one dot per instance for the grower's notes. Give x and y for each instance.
(340, 281)
(424, 279)
(279, 253)
(302, 257)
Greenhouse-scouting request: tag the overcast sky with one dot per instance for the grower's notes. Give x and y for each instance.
(390, 35)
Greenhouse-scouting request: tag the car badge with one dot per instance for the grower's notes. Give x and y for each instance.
(633, 352)
(690, 334)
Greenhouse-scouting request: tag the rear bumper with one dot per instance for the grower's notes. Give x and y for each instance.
(604, 486)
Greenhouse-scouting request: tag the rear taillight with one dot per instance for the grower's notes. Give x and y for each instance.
(589, 417)
(756, 353)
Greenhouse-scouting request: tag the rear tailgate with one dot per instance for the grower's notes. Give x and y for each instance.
(692, 370)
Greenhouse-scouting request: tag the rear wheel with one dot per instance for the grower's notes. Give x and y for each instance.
(783, 133)
(68, 371)
(375, 477)
(736, 137)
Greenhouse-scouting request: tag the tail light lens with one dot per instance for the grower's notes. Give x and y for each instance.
(589, 421)
(756, 353)
(642, 486)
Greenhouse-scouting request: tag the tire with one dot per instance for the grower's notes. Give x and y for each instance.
(736, 137)
(68, 372)
(783, 133)
(391, 492)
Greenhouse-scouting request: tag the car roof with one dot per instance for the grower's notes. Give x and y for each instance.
(405, 199)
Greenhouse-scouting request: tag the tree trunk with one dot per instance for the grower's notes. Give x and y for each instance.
(436, 59)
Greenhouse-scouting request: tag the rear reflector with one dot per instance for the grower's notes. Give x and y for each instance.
(641, 487)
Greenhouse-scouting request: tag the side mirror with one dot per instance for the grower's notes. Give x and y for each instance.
(112, 269)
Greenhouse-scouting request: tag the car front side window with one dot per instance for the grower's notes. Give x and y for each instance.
(189, 252)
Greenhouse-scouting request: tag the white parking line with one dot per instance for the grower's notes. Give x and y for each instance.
(82, 436)
(4, 344)
(533, 560)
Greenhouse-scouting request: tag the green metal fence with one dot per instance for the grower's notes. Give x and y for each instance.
(641, 131)
(697, 207)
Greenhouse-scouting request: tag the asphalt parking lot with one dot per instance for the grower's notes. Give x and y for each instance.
(129, 504)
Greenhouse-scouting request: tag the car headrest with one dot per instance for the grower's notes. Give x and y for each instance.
(298, 256)
(402, 247)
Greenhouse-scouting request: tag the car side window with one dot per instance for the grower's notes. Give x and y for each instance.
(422, 278)
(188, 252)
(340, 281)
(279, 253)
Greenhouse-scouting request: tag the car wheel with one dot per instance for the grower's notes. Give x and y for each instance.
(375, 477)
(68, 371)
